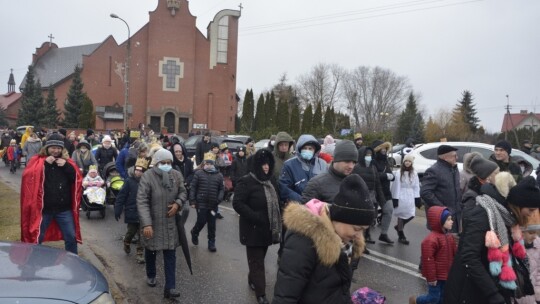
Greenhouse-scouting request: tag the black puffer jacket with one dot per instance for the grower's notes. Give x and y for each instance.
(105, 156)
(380, 161)
(127, 201)
(468, 199)
(239, 168)
(313, 268)
(324, 186)
(370, 175)
(251, 203)
(206, 189)
(469, 280)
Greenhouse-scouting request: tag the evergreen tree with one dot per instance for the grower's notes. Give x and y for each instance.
(260, 119)
(270, 112)
(328, 121)
(343, 121)
(246, 124)
(410, 123)
(48, 112)
(307, 120)
(87, 116)
(237, 123)
(282, 116)
(294, 126)
(31, 101)
(316, 126)
(75, 97)
(466, 108)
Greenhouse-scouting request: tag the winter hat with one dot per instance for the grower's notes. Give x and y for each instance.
(89, 132)
(284, 137)
(62, 131)
(503, 144)
(408, 157)
(249, 140)
(241, 149)
(378, 145)
(443, 149)
(358, 136)
(345, 150)
(83, 143)
(223, 146)
(482, 167)
(161, 155)
(55, 140)
(444, 216)
(525, 194)
(142, 164)
(352, 205)
(213, 145)
(261, 157)
(106, 138)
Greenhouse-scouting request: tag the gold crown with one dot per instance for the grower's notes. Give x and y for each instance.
(223, 146)
(357, 136)
(142, 162)
(209, 156)
(92, 168)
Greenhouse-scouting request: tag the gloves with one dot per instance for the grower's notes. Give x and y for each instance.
(395, 202)
(389, 176)
(417, 202)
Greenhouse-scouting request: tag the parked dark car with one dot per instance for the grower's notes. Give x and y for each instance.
(33, 273)
(192, 142)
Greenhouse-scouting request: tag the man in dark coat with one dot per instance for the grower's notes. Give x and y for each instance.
(127, 201)
(67, 143)
(440, 184)
(325, 186)
(239, 166)
(502, 157)
(203, 147)
(205, 194)
(380, 161)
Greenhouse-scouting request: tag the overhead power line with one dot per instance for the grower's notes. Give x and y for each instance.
(314, 23)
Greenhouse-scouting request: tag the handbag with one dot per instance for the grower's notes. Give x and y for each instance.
(523, 281)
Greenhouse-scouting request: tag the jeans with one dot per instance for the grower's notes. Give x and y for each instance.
(205, 216)
(387, 210)
(169, 263)
(66, 223)
(434, 296)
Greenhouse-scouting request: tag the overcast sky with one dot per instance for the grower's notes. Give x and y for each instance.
(490, 47)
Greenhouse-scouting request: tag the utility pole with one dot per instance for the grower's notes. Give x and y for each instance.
(508, 107)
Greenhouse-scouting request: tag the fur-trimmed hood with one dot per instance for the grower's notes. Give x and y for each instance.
(318, 227)
(378, 145)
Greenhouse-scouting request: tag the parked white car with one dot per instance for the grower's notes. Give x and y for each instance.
(425, 155)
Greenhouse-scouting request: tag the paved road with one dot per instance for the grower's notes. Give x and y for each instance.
(221, 277)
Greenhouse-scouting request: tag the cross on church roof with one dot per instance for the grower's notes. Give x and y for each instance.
(50, 39)
(241, 7)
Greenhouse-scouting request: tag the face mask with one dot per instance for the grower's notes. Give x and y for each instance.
(83, 150)
(368, 160)
(164, 168)
(306, 154)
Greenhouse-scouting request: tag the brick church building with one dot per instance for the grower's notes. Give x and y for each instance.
(178, 78)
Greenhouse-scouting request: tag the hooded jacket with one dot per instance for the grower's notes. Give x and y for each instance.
(31, 148)
(239, 168)
(380, 161)
(438, 248)
(370, 175)
(185, 167)
(297, 171)
(281, 157)
(127, 199)
(313, 268)
(252, 205)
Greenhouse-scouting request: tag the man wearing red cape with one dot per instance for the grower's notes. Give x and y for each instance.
(51, 190)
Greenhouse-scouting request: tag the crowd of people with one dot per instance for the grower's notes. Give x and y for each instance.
(317, 202)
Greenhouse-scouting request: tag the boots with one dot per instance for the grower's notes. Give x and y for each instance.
(367, 237)
(212, 245)
(401, 236)
(262, 300)
(384, 238)
(170, 293)
(140, 255)
(127, 247)
(194, 238)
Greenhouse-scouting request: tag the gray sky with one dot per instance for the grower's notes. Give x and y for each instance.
(490, 47)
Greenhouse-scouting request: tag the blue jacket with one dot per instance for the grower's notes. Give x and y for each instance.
(297, 172)
(121, 161)
(127, 201)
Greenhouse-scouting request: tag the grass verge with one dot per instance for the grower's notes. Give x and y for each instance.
(10, 214)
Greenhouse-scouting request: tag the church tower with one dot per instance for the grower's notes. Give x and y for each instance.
(11, 82)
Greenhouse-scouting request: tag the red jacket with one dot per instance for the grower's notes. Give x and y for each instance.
(438, 248)
(32, 203)
(11, 152)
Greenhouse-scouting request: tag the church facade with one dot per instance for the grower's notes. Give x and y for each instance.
(178, 79)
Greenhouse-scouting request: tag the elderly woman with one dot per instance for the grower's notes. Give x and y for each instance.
(320, 240)
(491, 264)
(256, 200)
(83, 157)
(32, 147)
(160, 196)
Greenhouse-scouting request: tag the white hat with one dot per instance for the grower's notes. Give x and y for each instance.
(106, 138)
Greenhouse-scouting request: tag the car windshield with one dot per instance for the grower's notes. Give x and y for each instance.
(191, 141)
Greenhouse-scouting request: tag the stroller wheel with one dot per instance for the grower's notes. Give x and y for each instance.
(102, 212)
(88, 214)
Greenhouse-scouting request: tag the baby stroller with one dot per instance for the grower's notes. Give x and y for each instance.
(114, 182)
(89, 206)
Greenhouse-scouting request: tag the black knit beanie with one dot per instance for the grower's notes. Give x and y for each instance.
(525, 194)
(352, 205)
(504, 145)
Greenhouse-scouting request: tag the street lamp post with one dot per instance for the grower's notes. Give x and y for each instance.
(126, 72)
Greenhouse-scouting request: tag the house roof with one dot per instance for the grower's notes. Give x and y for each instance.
(8, 99)
(59, 63)
(511, 121)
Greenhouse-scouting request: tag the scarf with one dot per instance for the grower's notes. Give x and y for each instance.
(165, 180)
(272, 204)
(497, 241)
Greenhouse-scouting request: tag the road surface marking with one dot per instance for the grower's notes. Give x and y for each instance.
(394, 260)
(391, 265)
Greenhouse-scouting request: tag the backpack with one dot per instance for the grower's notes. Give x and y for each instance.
(366, 295)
